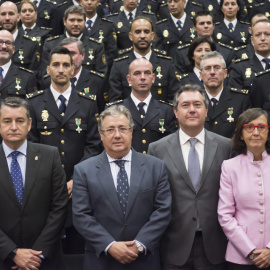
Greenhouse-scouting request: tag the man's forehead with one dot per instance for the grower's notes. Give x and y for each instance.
(190, 96)
(75, 16)
(6, 37)
(62, 58)
(211, 61)
(206, 18)
(8, 8)
(141, 25)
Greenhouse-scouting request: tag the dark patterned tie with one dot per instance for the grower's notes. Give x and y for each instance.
(62, 107)
(230, 27)
(141, 109)
(179, 26)
(267, 62)
(72, 81)
(215, 102)
(130, 17)
(27, 31)
(1, 76)
(89, 25)
(122, 185)
(16, 175)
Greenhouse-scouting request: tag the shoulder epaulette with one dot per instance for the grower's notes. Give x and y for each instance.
(95, 40)
(162, 101)
(115, 1)
(61, 4)
(45, 28)
(52, 38)
(28, 70)
(114, 14)
(240, 60)
(125, 50)
(120, 58)
(242, 91)
(164, 20)
(35, 94)
(91, 97)
(53, 2)
(46, 76)
(97, 73)
(217, 23)
(245, 22)
(148, 12)
(183, 76)
(164, 5)
(183, 46)
(240, 48)
(160, 51)
(114, 103)
(260, 4)
(27, 37)
(225, 45)
(197, 4)
(105, 20)
(164, 56)
(262, 73)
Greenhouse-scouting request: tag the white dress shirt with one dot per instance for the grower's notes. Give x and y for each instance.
(146, 101)
(56, 95)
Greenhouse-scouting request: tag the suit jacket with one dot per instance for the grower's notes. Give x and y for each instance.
(188, 206)
(244, 205)
(38, 223)
(99, 218)
(18, 82)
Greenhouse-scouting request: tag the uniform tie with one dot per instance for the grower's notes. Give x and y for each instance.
(122, 185)
(230, 27)
(179, 26)
(72, 81)
(215, 102)
(62, 107)
(1, 76)
(28, 30)
(194, 170)
(130, 17)
(89, 25)
(16, 175)
(141, 109)
(267, 62)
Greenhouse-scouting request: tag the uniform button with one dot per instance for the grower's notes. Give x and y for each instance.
(143, 130)
(180, 42)
(63, 166)
(261, 193)
(261, 230)
(45, 127)
(168, 42)
(62, 141)
(216, 123)
(144, 152)
(62, 130)
(0, 94)
(17, 93)
(87, 63)
(62, 153)
(159, 84)
(144, 141)
(261, 211)
(261, 221)
(260, 183)
(259, 174)
(232, 42)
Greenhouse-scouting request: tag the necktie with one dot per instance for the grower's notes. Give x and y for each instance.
(1, 76)
(122, 185)
(215, 102)
(179, 26)
(230, 27)
(141, 109)
(35, 3)
(89, 25)
(267, 62)
(130, 17)
(62, 107)
(72, 81)
(28, 30)
(194, 170)
(16, 175)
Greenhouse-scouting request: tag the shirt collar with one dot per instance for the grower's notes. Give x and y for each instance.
(147, 56)
(182, 19)
(78, 74)
(6, 66)
(233, 22)
(24, 27)
(184, 137)
(22, 149)
(136, 101)
(133, 13)
(56, 94)
(126, 158)
(93, 19)
(15, 34)
(79, 37)
(217, 97)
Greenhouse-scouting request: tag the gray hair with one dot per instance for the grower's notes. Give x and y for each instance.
(70, 40)
(213, 55)
(74, 10)
(115, 110)
(190, 88)
(15, 102)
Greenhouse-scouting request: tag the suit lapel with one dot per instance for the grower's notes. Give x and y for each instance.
(152, 111)
(50, 104)
(12, 72)
(96, 26)
(256, 64)
(172, 27)
(133, 109)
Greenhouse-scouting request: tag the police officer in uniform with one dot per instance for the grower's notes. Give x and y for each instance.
(14, 80)
(153, 119)
(243, 71)
(66, 119)
(166, 82)
(226, 104)
(123, 19)
(258, 6)
(26, 51)
(74, 21)
(176, 30)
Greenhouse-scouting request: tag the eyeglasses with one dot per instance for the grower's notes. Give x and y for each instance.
(250, 128)
(208, 69)
(111, 131)
(7, 42)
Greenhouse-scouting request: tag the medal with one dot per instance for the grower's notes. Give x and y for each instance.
(86, 90)
(100, 36)
(248, 72)
(165, 33)
(119, 25)
(159, 72)
(78, 122)
(149, 8)
(243, 36)
(91, 54)
(244, 56)
(230, 112)
(192, 33)
(18, 87)
(21, 54)
(210, 7)
(45, 115)
(47, 17)
(161, 122)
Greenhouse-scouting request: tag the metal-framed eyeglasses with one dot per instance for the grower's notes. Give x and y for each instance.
(251, 127)
(7, 42)
(216, 69)
(111, 131)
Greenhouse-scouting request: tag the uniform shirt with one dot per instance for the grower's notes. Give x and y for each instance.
(182, 19)
(5, 68)
(217, 97)
(21, 157)
(24, 27)
(146, 101)
(93, 19)
(133, 13)
(77, 77)
(147, 56)
(260, 59)
(185, 146)
(15, 34)
(56, 95)
(79, 37)
(233, 22)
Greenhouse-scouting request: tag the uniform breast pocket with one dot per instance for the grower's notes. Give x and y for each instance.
(46, 125)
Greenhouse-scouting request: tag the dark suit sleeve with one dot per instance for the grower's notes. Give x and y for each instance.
(256, 95)
(151, 232)
(6, 245)
(173, 82)
(33, 135)
(57, 214)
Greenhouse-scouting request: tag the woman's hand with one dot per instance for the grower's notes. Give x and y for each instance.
(262, 258)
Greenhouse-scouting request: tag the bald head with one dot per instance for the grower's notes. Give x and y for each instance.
(9, 16)
(139, 62)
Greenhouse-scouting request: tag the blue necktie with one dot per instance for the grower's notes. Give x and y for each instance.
(72, 81)
(179, 23)
(214, 100)
(89, 25)
(267, 62)
(194, 170)
(130, 17)
(141, 109)
(230, 27)
(122, 185)
(62, 107)
(1, 75)
(16, 175)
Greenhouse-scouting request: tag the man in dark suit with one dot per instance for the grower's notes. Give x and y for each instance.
(14, 80)
(65, 118)
(26, 51)
(242, 71)
(226, 103)
(193, 157)
(33, 195)
(74, 21)
(176, 30)
(166, 83)
(152, 119)
(121, 200)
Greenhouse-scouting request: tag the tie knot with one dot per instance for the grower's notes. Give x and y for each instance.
(120, 163)
(179, 24)
(266, 60)
(214, 100)
(141, 104)
(230, 26)
(1, 70)
(15, 154)
(89, 22)
(73, 80)
(62, 98)
(193, 141)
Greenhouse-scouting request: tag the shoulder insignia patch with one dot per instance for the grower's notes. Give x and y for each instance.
(46, 76)
(183, 46)
(262, 72)
(91, 97)
(148, 12)
(240, 48)
(164, 56)
(240, 60)
(241, 91)
(45, 28)
(225, 45)
(28, 70)
(245, 22)
(197, 4)
(160, 51)
(164, 20)
(114, 103)
(52, 38)
(162, 101)
(114, 14)
(97, 73)
(217, 23)
(164, 5)
(61, 4)
(35, 94)
(120, 58)
(53, 2)
(125, 50)
(95, 40)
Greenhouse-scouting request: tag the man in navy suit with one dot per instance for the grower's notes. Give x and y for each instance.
(121, 200)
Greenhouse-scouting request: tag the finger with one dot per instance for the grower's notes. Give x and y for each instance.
(15, 267)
